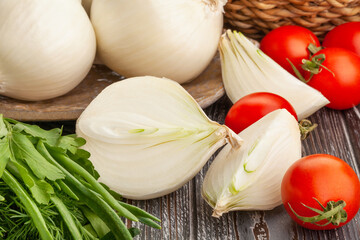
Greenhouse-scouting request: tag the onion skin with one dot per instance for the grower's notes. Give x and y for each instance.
(173, 39)
(46, 49)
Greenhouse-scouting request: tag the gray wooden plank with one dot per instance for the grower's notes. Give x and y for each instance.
(173, 210)
(280, 224)
(352, 124)
(183, 211)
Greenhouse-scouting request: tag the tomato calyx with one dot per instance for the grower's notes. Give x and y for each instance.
(334, 213)
(313, 65)
(306, 126)
(313, 49)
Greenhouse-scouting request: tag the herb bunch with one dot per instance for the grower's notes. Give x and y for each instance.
(49, 189)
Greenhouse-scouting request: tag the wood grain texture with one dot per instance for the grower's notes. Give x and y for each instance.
(185, 215)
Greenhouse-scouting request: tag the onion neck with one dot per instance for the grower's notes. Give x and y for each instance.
(219, 209)
(215, 6)
(232, 138)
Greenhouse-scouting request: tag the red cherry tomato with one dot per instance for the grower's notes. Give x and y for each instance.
(289, 42)
(252, 107)
(342, 85)
(324, 180)
(346, 36)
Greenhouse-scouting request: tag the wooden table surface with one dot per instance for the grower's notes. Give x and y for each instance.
(185, 215)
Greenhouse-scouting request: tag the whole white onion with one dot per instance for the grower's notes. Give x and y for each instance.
(175, 39)
(46, 48)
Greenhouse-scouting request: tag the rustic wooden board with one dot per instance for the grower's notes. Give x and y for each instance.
(206, 89)
(185, 215)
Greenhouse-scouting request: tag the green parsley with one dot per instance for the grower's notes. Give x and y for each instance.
(49, 189)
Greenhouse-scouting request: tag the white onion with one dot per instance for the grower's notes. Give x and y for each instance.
(250, 178)
(246, 69)
(46, 48)
(147, 136)
(175, 39)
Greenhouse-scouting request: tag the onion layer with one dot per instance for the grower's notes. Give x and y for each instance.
(250, 178)
(246, 69)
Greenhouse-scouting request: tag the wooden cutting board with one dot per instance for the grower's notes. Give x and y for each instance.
(206, 89)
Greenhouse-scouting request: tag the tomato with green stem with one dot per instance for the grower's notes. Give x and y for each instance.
(289, 42)
(321, 192)
(252, 107)
(335, 72)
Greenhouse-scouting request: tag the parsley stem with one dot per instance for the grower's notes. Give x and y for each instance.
(73, 167)
(139, 212)
(67, 217)
(67, 190)
(95, 203)
(30, 206)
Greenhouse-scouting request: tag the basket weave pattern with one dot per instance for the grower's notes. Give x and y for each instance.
(255, 18)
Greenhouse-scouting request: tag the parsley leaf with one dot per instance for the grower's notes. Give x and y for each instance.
(70, 143)
(40, 189)
(49, 136)
(23, 149)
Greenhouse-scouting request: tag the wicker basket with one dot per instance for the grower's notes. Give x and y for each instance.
(257, 17)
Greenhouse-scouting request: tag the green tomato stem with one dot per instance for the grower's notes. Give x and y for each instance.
(306, 127)
(334, 213)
